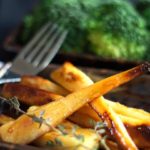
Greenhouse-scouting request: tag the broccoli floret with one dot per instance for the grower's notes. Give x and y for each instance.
(143, 6)
(72, 14)
(119, 33)
(110, 28)
(146, 15)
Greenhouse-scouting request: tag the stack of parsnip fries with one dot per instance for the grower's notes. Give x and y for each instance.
(73, 113)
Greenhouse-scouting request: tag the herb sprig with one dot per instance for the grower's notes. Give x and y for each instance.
(14, 104)
(98, 126)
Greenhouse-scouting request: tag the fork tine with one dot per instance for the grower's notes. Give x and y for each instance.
(47, 47)
(39, 46)
(22, 66)
(34, 40)
(54, 49)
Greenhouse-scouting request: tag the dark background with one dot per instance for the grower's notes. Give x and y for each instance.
(11, 14)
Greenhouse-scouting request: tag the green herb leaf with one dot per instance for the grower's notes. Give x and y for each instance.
(58, 142)
(50, 143)
(62, 129)
(79, 137)
(92, 122)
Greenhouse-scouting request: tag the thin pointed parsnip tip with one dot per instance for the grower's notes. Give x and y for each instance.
(138, 70)
(145, 67)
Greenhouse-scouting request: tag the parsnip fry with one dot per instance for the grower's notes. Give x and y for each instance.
(126, 114)
(24, 129)
(76, 76)
(71, 77)
(41, 83)
(28, 95)
(89, 139)
(114, 124)
(68, 140)
(82, 119)
(79, 77)
(134, 113)
(69, 74)
(130, 121)
(5, 119)
(60, 76)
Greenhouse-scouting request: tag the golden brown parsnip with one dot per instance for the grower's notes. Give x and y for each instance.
(5, 119)
(28, 95)
(57, 111)
(70, 77)
(89, 138)
(69, 68)
(61, 75)
(41, 83)
(114, 124)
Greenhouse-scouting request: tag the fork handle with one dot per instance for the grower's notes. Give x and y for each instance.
(9, 80)
(10, 76)
(5, 71)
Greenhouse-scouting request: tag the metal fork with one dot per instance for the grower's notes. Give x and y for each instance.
(38, 53)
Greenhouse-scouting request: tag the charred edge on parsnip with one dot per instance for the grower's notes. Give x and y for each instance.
(113, 130)
(28, 95)
(145, 67)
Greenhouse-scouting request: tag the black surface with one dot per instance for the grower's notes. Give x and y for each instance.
(12, 13)
(6, 56)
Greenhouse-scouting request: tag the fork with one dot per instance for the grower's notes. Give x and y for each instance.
(37, 54)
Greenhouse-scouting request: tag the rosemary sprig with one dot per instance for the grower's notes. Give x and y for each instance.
(62, 129)
(50, 143)
(14, 104)
(58, 142)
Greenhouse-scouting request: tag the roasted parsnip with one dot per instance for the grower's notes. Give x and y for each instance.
(131, 119)
(60, 76)
(39, 82)
(130, 116)
(5, 119)
(28, 95)
(57, 111)
(75, 137)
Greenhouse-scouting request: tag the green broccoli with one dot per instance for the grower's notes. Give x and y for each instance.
(110, 28)
(143, 6)
(120, 32)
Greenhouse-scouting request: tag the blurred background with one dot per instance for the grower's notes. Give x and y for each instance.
(111, 29)
(12, 14)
